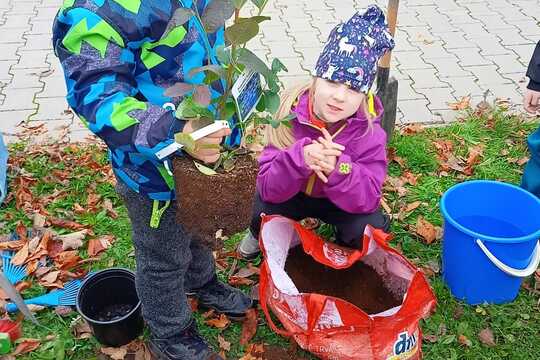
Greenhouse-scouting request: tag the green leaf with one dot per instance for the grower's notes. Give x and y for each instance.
(239, 3)
(258, 19)
(261, 105)
(59, 349)
(216, 69)
(186, 140)
(210, 78)
(252, 62)
(241, 32)
(205, 169)
(259, 3)
(223, 54)
(179, 18)
(230, 110)
(216, 13)
(201, 95)
(277, 66)
(189, 109)
(271, 100)
(178, 89)
(229, 164)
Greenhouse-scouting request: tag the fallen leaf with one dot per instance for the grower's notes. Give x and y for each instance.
(245, 272)
(98, 245)
(50, 277)
(66, 224)
(426, 230)
(108, 206)
(114, 353)
(486, 337)
(38, 220)
(63, 310)
(81, 329)
(410, 178)
(193, 303)
(35, 308)
(25, 346)
(72, 241)
(78, 209)
(431, 338)
(249, 326)
(462, 104)
(411, 207)
(220, 322)
(412, 129)
(21, 256)
(23, 285)
(224, 344)
(67, 259)
(238, 281)
(463, 340)
(21, 231)
(42, 271)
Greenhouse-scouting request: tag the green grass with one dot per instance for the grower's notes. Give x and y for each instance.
(516, 326)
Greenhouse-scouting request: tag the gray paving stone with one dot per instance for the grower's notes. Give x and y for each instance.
(421, 34)
(448, 67)
(23, 79)
(470, 57)
(411, 60)
(52, 109)
(524, 52)
(17, 22)
(19, 99)
(439, 98)
(415, 111)
(11, 36)
(9, 51)
(32, 59)
(21, 8)
(456, 40)
(5, 65)
(425, 79)
(487, 75)
(406, 92)
(434, 50)
(490, 45)
(529, 27)
(55, 86)
(506, 63)
(45, 13)
(505, 91)
(38, 42)
(41, 27)
(11, 118)
(473, 30)
(463, 86)
(461, 16)
(510, 37)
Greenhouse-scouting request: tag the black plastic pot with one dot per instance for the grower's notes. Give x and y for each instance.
(103, 290)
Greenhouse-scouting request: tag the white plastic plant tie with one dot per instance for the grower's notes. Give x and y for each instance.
(169, 106)
(196, 135)
(510, 270)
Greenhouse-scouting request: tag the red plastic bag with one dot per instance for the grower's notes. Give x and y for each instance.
(332, 328)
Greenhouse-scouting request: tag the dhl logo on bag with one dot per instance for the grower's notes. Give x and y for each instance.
(405, 346)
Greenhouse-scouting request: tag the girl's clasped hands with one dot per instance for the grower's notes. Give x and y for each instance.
(322, 154)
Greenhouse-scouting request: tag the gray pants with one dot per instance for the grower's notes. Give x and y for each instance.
(168, 262)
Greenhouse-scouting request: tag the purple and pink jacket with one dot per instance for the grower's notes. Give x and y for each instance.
(356, 183)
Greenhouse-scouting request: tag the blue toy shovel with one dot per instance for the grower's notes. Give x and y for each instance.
(61, 297)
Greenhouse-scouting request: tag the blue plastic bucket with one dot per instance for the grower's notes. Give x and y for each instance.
(490, 242)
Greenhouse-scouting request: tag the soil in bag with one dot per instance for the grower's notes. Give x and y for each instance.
(359, 284)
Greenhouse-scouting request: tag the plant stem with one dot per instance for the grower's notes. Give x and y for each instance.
(230, 73)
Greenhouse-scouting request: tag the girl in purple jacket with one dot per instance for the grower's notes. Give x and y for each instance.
(331, 164)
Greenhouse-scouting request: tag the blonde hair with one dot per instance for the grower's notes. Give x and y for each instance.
(282, 136)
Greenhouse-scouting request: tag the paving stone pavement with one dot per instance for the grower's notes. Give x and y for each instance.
(445, 49)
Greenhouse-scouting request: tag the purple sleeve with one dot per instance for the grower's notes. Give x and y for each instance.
(356, 187)
(282, 173)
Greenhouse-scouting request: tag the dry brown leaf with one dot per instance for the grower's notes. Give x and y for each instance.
(431, 338)
(23, 285)
(486, 337)
(108, 206)
(463, 340)
(32, 266)
(238, 281)
(63, 310)
(98, 245)
(66, 224)
(114, 353)
(50, 277)
(426, 230)
(67, 259)
(25, 346)
(21, 256)
(78, 209)
(193, 303)
(35, 308)
(220, 322)
(462, 104)
(249, 327)
(224, 344)
(12, 245)
(38, 220)
(81, 329)
(245, 272)
(72, 241)
(21, 231)
(42, 271)
(33, 244)
(411, 207)
(409, 178)
(412, 129)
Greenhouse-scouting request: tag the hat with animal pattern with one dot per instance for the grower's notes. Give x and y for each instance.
(353, 49)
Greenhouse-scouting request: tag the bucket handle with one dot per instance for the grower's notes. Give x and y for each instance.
(509, 270)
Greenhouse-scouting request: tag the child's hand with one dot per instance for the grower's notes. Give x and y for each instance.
(315, 154)
(332, 150)
(531, 101)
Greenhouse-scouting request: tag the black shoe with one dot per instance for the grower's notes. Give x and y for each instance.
(223, 298)
(188, 345)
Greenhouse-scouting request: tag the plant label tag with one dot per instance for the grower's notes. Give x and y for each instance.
(247, 91)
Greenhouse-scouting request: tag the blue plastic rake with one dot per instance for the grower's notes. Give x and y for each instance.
(61, 297)
(14, 273)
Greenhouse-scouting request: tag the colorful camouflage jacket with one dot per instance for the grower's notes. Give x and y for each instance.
(118, 57)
